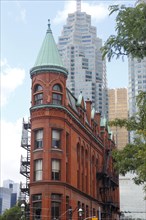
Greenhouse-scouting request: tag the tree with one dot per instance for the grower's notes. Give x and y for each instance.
(133, 156)
(131, 33)
(12, 213)
(130, 40)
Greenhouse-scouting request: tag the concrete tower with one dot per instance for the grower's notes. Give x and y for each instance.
(79, 48)
(118, 108)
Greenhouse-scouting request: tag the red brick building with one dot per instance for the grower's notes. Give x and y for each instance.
(71, 167)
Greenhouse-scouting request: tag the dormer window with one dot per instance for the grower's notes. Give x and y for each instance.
(57, 94)
(38, 95)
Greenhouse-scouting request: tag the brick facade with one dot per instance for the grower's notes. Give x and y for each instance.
(78, 171)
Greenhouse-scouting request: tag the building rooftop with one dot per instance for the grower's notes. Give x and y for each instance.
(49, 57)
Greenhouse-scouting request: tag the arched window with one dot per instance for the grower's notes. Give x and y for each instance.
(38, 95)
(57, 87)
(38, 88)
(57, 94)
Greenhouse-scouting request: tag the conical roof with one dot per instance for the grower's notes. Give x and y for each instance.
(49, 58)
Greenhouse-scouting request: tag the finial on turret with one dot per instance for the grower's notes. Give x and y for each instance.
(49, 29)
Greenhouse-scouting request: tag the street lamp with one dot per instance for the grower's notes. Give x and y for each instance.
(80, 211)
(22, 210)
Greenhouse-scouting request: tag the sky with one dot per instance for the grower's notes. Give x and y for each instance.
(23, 28)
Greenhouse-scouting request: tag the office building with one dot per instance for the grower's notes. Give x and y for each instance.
(5, 199)
(137, 81)
(71, 167)
(9, 195)
(79, 48)
(15, 190)
(118, 108)
(132, 201)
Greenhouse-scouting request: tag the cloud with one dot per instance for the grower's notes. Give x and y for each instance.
(21, 12)
(11, 78)
(23, 15)
(97, 11)
(11, 150)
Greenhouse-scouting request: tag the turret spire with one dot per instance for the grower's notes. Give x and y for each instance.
(78, 5)
(49, 58)
(49, 29)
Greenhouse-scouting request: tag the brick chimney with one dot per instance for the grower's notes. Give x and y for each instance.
(88, 110)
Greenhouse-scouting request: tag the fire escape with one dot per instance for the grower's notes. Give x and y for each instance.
(25, 161)
(109, 181)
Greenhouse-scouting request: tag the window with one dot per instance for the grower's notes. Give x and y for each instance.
(38, 99)
(57, 94)
(57, 87)
(55, 169)
(56, 138)
(38, 88)
(38, 95)
(38, 139)
(57, 99)
(55, 206)
(38, 169)
(37, 206)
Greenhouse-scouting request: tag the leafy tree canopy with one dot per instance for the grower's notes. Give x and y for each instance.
(131, 33)
(133, 156)
(12, 213)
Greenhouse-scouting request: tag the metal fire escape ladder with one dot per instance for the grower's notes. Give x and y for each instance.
(25, 160)
(104, 176)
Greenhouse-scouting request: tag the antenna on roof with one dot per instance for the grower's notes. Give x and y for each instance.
(78, 5)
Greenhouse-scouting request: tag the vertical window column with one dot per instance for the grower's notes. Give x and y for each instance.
(38, 139)
(55, 206)
(57, 94)
(38, 95)
(38, 170)
(55, 169)
(56, 138)
(37, 206)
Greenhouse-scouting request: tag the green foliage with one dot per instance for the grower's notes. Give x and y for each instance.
(12, 213)
(133, 156)
(131, 33)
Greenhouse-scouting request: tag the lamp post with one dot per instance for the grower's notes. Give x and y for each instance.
(80, 212)
(23, 211)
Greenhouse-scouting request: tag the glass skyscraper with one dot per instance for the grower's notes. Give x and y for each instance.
(137, 81)
(79, 48)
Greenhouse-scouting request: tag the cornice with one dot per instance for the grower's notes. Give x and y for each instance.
(49, 68)
(60, 107)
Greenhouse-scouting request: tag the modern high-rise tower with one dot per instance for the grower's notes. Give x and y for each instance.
(79, 48)
(118, 108)
(137, 77)
(137, 81)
